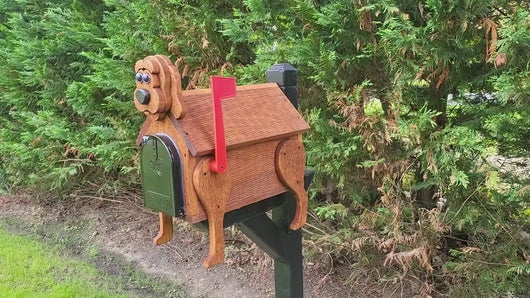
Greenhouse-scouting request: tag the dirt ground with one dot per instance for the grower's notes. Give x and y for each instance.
(127, 229)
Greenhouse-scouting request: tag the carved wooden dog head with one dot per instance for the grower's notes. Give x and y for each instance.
(158, 87)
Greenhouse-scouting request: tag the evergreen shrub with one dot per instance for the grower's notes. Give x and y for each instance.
(407, 186)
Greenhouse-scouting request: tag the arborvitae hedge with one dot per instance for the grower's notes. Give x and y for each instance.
(403, 177)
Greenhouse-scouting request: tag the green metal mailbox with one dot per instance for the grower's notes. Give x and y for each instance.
(161, 175)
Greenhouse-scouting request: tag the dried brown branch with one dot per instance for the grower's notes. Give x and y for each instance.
(405, 258)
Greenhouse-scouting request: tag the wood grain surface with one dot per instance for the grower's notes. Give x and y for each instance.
(255, 122)
(290, 165)
(213, 190)
(143, 131)
(258, 113)
(166, 229)
(158, 87)
(253, 172)
(178, 109)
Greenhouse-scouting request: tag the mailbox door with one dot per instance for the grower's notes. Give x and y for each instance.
(161, 175)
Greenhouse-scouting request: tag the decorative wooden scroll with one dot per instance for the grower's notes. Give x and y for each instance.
(290, 166)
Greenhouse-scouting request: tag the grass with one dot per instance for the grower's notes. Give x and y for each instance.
(29, 268)
(34, 268)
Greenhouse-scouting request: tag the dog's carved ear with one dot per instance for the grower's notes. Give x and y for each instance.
(165, 82)
(175, 92)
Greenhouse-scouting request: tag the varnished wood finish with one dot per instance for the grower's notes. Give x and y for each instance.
(213, 190)
(290, 166)
(147, 64)
(178, 109)
(158, 103)
(165, 82)
(164, 88)
(264, 150)
(143, 131)
(254, 176)
(166, 229)
(258, 113)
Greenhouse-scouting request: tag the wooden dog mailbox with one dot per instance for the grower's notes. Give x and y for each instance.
(210, 151)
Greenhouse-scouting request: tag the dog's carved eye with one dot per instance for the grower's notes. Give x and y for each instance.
(138, 77)
(146, 78)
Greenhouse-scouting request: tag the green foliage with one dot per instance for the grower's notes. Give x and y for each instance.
(66, 115)
(40, 131)
(422, 163)
(335, 211)
(398, 168)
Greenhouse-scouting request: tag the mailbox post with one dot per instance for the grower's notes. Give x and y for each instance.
(288, 272)
(258, 167)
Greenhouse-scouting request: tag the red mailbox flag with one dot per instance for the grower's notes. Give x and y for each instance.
(222, 87)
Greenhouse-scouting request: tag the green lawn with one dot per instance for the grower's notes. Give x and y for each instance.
(30, 268)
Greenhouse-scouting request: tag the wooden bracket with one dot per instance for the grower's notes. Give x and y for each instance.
(143, 131)
(166, 229)
(290, 167)
(213, 190)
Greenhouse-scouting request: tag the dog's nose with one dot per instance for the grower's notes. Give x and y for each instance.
(142, 96)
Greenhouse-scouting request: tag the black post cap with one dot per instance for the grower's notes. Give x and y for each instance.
(282, 73)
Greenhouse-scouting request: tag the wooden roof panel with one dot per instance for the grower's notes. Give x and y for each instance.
(258, 113)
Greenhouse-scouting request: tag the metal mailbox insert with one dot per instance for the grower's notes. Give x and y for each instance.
(161, 175)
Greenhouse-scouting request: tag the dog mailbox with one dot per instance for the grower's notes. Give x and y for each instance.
(209, 151)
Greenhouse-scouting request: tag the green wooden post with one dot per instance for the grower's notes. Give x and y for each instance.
(275, 238)
(288, 273)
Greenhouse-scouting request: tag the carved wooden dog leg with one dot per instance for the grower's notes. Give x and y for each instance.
(166, 229)
(290, 167)
(213, 190)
